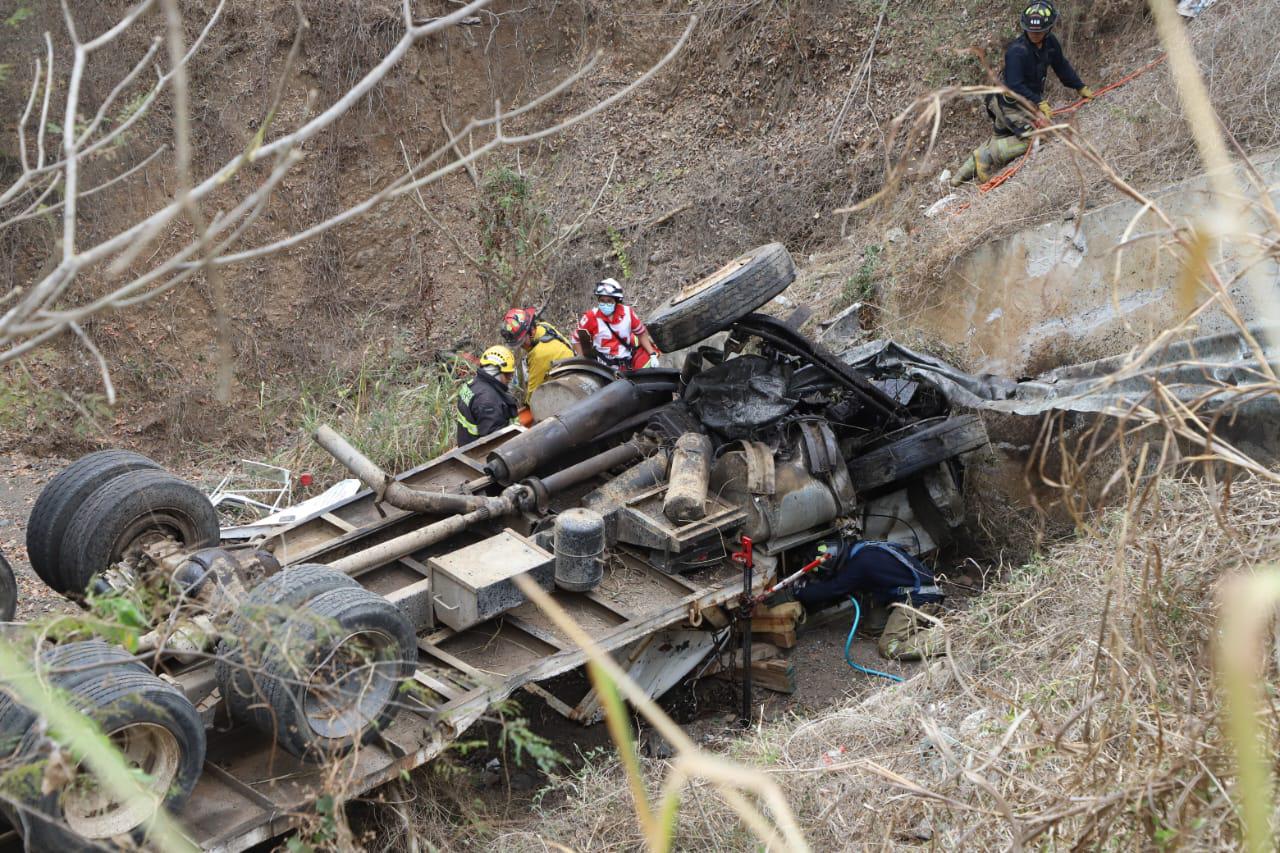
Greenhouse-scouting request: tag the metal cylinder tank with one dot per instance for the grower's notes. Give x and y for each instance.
(642, 476)
(555, 395)
(578, 423)
(579, 549)
(686, 498)
(786, 501)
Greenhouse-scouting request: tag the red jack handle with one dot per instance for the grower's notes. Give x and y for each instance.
(790, 579)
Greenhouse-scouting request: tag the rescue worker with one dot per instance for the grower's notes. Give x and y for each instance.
(616, 333)
(884, 575)
(1027, 61)
(543, 345)
(486, 405)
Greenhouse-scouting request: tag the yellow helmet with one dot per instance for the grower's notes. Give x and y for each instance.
(499, 357)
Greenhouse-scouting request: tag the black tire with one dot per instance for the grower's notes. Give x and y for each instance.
(66, 665)
(8, 591)
(912, 449)
(117, 692)
(59, 500)
(254, 625)
(713, 304)
(319, 646)
(125, 512)
(15, 720)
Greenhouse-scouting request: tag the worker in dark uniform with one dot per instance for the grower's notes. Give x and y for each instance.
(1027, 61)
(884, 575)
(486, 405)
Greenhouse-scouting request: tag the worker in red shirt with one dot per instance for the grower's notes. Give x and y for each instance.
(616, 335)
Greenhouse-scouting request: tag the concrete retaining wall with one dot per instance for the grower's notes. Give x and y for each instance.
(1050, 295)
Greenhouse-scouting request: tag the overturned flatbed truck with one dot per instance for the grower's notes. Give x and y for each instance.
(345, 645)
(251, 791)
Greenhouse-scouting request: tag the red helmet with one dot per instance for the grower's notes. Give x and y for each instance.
(518, 324)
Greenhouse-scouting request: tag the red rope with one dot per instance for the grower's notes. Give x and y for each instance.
(1067, 110)
(1010, 171)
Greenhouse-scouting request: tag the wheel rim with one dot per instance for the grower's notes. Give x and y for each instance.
(93, 811)
(702, 284)
(351, 688)
(155, 526)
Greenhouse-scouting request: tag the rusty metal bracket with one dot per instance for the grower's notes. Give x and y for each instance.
(823, 460)
(816, 449)
(761, 470)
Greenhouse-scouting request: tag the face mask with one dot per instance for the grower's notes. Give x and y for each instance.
(606, 308)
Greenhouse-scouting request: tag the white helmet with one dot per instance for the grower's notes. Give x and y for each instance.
(609, 287)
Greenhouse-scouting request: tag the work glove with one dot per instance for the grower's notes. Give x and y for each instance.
(653, 361)
(1086, 93)
(1046, 110)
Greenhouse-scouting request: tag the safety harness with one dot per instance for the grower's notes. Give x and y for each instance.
(924, 585)
(550, 333)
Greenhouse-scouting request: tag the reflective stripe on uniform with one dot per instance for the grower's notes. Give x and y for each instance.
(465, 396)
(923, 590)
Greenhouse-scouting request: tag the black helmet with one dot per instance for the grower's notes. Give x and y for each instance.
(1039, 17)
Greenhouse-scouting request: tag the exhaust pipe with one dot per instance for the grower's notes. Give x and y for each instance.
(573, 427)
(522, 496)
(391, 490)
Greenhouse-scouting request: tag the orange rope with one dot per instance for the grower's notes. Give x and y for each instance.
(1010, 171)
(1116, 85)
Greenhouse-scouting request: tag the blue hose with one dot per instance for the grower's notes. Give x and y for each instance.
(857, 616)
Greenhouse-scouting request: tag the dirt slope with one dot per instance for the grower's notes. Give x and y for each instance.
(773, 116)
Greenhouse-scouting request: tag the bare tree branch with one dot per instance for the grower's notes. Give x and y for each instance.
(32, 212)
(102, 363)
(42, 309)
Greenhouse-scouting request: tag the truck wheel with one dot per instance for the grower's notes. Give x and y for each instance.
(8, 591)
(67, 664)
(915, 448)
(59, 500)
(254, 627)
(332, 676)
(157, 729)
(124, 515)
(735, 290)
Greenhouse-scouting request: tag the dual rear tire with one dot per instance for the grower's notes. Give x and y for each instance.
(315, 661)
(104, 508)
(310, 657)
(157, 730)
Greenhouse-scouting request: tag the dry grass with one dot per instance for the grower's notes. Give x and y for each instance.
(1076, 708)
(1140, 129)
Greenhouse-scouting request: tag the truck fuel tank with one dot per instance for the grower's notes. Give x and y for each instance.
(785, 495)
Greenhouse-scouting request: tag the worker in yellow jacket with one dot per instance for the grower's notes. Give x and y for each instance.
(543, 345)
